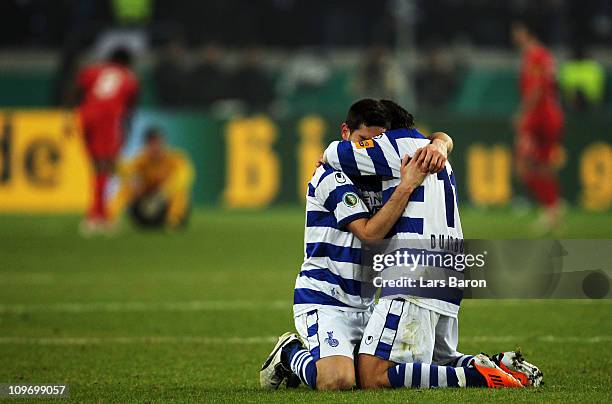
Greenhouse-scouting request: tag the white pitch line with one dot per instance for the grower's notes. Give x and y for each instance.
(541, 338)
(114, 307)
(135, 340)
(208, 305)
(157, 340)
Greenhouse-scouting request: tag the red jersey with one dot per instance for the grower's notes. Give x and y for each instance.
(544, 121)
(538, 72)
(109, 90)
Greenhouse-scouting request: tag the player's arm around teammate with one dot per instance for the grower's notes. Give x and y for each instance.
(376, 227)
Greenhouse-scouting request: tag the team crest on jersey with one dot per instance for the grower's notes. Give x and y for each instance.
(330, 340)
(350, 199)
(364, 144)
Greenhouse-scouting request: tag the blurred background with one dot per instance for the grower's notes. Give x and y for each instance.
(237, 100)
(286, 71)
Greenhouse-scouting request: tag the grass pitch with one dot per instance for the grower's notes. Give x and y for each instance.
(191, 316)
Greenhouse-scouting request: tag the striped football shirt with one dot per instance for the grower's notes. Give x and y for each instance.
(331, 274)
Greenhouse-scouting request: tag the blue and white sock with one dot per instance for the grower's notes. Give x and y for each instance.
(423, 375)
(462, 361)
(302, 363)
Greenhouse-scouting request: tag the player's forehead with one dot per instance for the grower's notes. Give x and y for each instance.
(368, 132)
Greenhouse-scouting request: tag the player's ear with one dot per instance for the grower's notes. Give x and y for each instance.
(345, 132)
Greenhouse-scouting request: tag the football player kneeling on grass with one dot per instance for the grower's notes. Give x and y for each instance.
(155, 185)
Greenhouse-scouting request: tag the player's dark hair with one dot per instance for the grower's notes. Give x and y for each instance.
(367, 112)
(121, 56)
(398, 117)
(531, 23)
(153, 133)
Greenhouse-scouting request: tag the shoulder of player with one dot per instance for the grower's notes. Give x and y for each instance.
(327, 177)
(89, 71)
(411, 133)
(177, 155)
(538, 54)
(128, 75)
(132, 76)
(139, 159)
(172, 152)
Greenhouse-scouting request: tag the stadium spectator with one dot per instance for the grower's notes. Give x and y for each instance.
(436, 80)
(109, 91)
(155, 185)
(251, 82)
(379, 77)
(171, 76)
(582, 81)
(209, 81)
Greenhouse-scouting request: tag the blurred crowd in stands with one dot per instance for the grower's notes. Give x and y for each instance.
(188, 42)
(201, 78)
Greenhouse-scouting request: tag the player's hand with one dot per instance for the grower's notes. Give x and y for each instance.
(433, 158)
(411, 174)
(320, 161)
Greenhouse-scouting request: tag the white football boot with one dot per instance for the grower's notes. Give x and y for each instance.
(273, 372)
(513, 363)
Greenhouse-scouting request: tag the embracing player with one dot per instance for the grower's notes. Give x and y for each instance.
(108, 93)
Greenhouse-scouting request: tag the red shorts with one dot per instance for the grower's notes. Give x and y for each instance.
(103, 137)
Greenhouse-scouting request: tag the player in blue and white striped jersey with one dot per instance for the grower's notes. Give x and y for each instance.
(434, 212)
(333, 296)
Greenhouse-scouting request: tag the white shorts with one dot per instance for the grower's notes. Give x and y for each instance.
(402, 332)
(329, 331)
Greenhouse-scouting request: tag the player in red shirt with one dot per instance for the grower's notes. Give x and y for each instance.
(108, 94)
(539, 124)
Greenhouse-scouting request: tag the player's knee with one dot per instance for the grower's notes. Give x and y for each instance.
(372, 372)
(373, 381)
(338, 381)
(335, 373)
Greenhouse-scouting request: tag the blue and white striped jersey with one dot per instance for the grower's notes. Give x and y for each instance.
(331, 274)
(432, 212)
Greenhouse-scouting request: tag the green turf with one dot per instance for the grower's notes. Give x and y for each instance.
(189, 316)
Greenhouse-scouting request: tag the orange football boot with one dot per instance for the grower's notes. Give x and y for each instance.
(493, 374)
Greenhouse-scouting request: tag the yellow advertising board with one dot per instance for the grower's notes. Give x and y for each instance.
(257, 161)
(43, 165)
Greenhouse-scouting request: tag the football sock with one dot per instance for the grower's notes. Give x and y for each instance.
(98, 207)
(423, 375)
(301, 363)
(462, 361)
(544, 188)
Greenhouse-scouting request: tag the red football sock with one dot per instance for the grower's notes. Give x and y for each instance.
(545, 188)
(98, 205)
(549, 190)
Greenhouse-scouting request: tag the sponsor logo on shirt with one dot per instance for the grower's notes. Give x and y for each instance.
(350, 199)
(364, 144)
